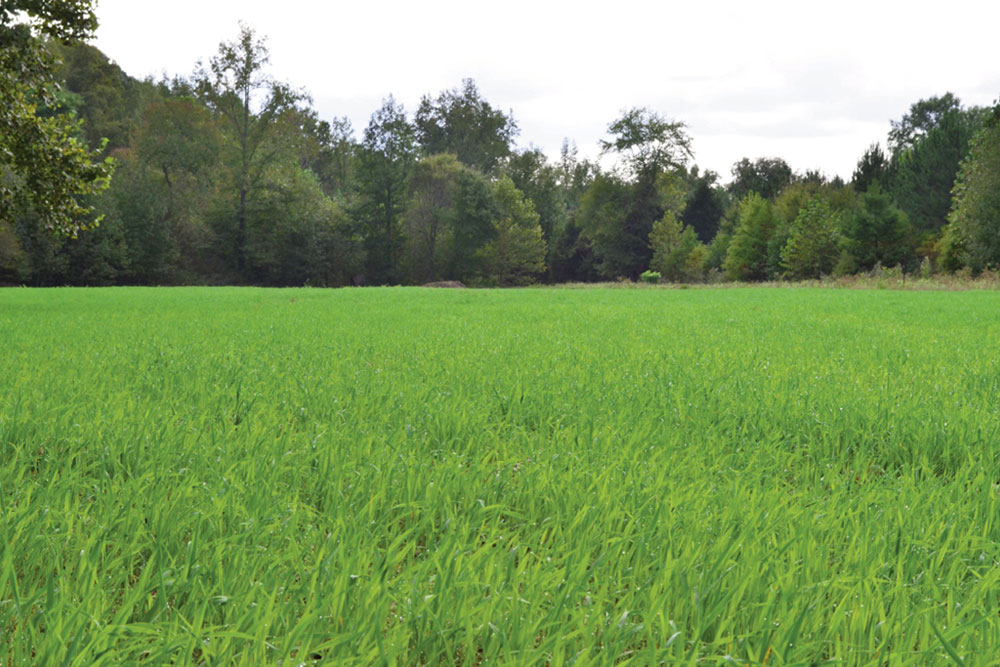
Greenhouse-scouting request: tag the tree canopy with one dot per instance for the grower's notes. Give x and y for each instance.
(230, 176)
(975, 219)
(648, 143)
(461, 122)
(767, 176)
(44, 163)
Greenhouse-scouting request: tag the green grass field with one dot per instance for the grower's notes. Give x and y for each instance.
(408, 476)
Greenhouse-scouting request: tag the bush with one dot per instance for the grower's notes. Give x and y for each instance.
(650, 277)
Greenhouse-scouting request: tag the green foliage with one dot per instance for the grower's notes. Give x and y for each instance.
(787, 207)
(618, 210)
(12, 257)
(575, 175)
(974, 230)
(539, 181)
(747, 250)
(954, 256)
(250, 105)
(516, 255)
(179, 139)
(873, 169)
(877, 232)
(297, 235)
(648, 143)
(765, 176)
(66, 20)
(617, 216)
(923, 117)
(461, 122)
(331, 153)
(678, 255)
(141, 205)
(178, 135)
(204, 160)
(432, 187)
(471, 223)
(572, 256)
(794, 199)
(602, 215)
(97, 256)
(111, 103)
(813, 246)
(926, 164)
(45, 166)
(386, 156)
(705, 204)
(651, 277)
(716, 251)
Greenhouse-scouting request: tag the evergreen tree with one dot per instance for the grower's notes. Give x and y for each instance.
(516, 255)
(877, 232)
(814, 242)
(461, 122)
(873, 168)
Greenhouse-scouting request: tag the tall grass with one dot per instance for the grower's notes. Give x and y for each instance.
(405, 476)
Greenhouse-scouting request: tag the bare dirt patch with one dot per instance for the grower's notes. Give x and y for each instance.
(445, 283)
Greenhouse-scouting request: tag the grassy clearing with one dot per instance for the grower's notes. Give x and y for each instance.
(243, 476)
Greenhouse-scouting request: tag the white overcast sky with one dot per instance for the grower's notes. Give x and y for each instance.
(813, 83)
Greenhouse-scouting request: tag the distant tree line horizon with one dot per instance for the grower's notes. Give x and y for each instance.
(229, 176)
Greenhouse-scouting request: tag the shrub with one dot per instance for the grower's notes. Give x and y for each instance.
(650, 277)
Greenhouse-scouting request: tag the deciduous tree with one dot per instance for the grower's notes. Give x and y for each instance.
(297, 235)
(44, 163)
(387, 153)
(433, 186)
(177, 136)
(618, 210)
(975, 219)
(678, 255)
(648, 143)
(249, 102)
(539, 181)
(767, 176)
(918, 122)
(474, 211)
(461, 122)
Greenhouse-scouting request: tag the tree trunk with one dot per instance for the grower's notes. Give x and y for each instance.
(388, 233)
(241, 231)
(170, 196)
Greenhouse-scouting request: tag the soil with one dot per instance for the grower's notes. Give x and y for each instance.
(445, 283)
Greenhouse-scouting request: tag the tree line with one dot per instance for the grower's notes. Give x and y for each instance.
(228, 176)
